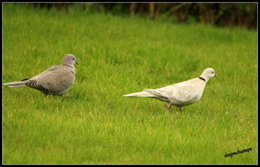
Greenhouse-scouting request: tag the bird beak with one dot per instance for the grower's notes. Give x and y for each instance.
(215, 75)
(76, 62)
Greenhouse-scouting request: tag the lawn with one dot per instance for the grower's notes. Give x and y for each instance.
(118, 55)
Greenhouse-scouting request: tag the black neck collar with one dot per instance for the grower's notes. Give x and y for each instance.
(68, 65)
(202, 79)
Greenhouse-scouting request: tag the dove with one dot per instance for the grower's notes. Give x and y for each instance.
(179, 94)
(56, 80)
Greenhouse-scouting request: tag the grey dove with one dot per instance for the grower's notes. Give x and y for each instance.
(54, 81)
(179, 94)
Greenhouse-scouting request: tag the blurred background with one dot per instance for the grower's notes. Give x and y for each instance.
(218, 14)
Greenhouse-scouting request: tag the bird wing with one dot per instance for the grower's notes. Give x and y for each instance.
(156, 94)
(179, 94)
(57, 79)
(50, 69)
(34, 84)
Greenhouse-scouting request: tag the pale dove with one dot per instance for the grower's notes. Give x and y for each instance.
(179, 94)
(54, 81)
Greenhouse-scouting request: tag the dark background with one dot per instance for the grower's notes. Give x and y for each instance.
(218, 14)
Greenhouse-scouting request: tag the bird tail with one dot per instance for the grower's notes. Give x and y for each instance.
(16, 84)
(140, 94)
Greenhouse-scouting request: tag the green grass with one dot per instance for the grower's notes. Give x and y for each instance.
(119, 55)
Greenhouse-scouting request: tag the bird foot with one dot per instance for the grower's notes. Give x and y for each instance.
(181, 109)
(168, 107)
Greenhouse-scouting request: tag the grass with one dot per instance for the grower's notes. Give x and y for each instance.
(119, 55)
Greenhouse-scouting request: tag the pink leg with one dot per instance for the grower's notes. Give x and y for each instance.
(168, 107)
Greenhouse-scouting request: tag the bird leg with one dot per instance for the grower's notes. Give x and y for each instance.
(181, 109)
(168, 107)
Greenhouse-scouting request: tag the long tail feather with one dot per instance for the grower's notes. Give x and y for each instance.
(139, 94)
(16, 84)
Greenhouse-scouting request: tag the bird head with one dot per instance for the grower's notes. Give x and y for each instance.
(69, 59)
(208, 73)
